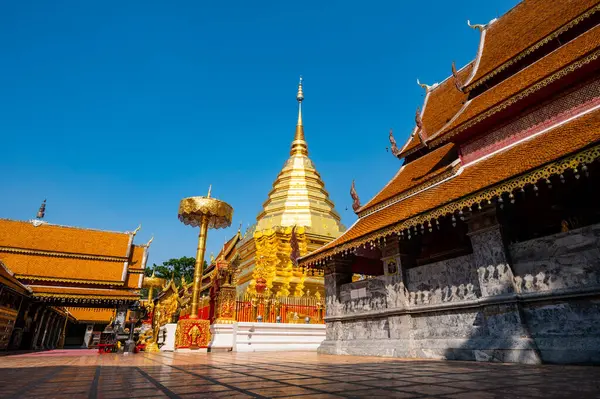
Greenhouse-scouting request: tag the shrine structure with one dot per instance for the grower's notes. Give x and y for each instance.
(61, 284)
(485, 244)
(298, 203)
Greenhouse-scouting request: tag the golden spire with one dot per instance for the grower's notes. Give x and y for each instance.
(209, 190)
(298, 196)
(299, 146)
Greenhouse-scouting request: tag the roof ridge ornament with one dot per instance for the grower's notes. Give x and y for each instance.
(419, 123)
(42, 211)
(147, 245)
(457, 83)
(395, 150)
(426, 86)
(479, 27)
(355, 198)
(137, 229)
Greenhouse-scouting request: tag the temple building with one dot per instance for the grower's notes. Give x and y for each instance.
(298, 206)
(485, 245)
(61, 285)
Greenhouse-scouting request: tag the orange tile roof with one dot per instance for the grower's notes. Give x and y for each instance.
(229, 245)
(24, 264)
(133, 280)
(440, 105)
(526, 156)
(416, 173)
(137, 257)
(75, 292)
(7, 278)
(413, 143)
(94, 315)
(563, 57)
(444, 102)
(522, 27)
(137, 262)
(54, 238)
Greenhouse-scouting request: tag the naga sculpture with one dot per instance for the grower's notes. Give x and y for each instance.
(426, 86)
(395, 149)
(355, 199)
(457, 81)
(479, 27)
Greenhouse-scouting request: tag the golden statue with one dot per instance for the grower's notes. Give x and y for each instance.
(194, 333)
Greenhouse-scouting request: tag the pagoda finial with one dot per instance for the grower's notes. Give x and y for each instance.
(209, 190)
(42, 211)
(299, 98)
(299, 146)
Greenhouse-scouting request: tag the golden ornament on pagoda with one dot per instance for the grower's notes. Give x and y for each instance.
(204, 212)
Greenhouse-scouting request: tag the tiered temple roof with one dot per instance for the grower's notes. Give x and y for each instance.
(523, 30)
(72, 265)
(512, 117)
(225, 254)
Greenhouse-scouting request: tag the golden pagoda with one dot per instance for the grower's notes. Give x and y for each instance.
(298, 202)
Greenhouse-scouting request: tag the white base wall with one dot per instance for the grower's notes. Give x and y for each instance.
(259, 337)
(222, 336)
(169, 344)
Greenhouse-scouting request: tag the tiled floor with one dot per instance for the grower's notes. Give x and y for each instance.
(84, 374)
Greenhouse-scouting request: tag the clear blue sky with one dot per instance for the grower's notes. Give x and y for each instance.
(114, 111)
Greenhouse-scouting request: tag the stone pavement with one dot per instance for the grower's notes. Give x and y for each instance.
(85, 374)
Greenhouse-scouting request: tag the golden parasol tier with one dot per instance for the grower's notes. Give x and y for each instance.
(203, 212)
(151, 283)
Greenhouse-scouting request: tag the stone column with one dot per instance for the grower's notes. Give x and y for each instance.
(63, 332)
(57, 330)
(50, 339)
(39, 327)
(337, 273)
(508, 337)
(120, 317)
(53, 337)
(490, 255)
(48, 329)
(89, 330)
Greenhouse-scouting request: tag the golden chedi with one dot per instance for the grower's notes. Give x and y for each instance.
(298, 202)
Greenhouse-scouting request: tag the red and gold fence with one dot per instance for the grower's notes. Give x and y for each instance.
(280, 309)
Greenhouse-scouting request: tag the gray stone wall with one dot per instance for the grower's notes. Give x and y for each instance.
(557, 262)
(565, 264)
(537, 302)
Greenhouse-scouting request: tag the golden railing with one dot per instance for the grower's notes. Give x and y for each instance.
(290, 309)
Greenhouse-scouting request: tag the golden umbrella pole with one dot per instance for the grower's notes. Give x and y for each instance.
(199, 266)
(203, 212)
